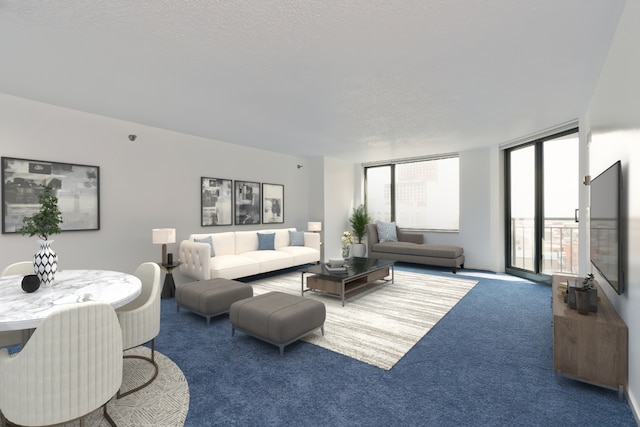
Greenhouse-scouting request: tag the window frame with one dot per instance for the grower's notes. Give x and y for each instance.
(392, 170)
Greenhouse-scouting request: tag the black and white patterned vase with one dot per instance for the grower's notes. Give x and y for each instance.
(345, 252)
(45, 263)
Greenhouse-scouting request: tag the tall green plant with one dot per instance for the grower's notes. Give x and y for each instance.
(358, 220)
(46, 222)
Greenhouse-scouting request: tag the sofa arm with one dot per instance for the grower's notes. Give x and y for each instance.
(195, 257)
(404, 236)
(312, 240)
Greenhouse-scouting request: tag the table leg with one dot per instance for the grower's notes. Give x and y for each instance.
(169, 287)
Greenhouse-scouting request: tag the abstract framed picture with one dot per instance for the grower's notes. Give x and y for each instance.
(216, 202)
(77, 188)
(272, 203)
(247, 202)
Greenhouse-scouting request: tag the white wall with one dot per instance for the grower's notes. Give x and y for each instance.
(613, 119)
(481, 210)
(152, 182)
(339, 183)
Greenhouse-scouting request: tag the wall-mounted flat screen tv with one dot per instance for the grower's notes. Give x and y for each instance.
(605, 226)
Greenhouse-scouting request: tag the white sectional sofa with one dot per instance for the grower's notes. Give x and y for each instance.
(239, 254)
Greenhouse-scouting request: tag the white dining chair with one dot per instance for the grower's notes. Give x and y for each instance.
(70, 367)
(21, 268)
(11, 338)
(140, 319)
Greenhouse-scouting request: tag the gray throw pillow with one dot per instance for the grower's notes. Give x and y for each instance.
(209, 241)
(386, 231)
(296, 238)
(266, 241)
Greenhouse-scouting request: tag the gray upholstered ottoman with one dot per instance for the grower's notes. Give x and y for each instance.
(277, 318)
(211, 298)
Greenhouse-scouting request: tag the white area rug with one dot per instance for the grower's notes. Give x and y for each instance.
(378, 326)
(163, 403)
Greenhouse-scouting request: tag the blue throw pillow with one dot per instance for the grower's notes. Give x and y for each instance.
(386, 231)
(296, 238)
(266, 241)
(209, 241)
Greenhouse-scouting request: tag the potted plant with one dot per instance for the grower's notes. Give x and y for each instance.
(358, 220)
(583, 294)
(44, 224)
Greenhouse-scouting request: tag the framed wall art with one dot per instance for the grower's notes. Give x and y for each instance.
(247, 202)
(272, 203)
(77, 188)
(216, 202)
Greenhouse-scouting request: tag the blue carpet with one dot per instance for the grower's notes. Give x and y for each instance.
(487, 363)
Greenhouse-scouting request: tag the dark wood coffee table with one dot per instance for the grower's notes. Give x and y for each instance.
(360, 272)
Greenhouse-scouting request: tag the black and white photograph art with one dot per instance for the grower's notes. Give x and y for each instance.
(216, 201)
(77, 188)
(272, 204)
(247, 202)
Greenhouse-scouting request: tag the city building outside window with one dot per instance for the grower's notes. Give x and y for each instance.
(418, 194)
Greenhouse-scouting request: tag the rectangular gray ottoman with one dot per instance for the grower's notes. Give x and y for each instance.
(277, 318)
(211, 298)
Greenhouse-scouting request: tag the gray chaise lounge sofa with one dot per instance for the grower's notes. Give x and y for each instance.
(411, 247)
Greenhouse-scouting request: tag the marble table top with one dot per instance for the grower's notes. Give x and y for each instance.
(20, 310)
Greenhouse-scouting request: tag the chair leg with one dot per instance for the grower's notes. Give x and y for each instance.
(151, 360)
(107, 416)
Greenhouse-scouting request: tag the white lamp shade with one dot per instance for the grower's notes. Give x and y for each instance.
(314, 226)
(164, 235)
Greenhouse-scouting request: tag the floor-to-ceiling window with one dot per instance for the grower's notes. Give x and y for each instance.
(420, 194)
(542, 190)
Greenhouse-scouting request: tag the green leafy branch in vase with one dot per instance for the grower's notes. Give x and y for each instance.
(587, 283)
(47, 221)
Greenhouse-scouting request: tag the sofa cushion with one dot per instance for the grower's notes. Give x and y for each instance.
(386, 231)
(208, 240)
(296, 238)
(246, 241)
(232, 266)
(301, 254)
(266, 241)
(270, 260)
(406, 248)
(282, 236)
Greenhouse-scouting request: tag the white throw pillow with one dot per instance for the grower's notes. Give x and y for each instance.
(386, 231)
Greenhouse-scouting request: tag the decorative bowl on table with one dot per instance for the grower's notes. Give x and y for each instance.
(335, 262)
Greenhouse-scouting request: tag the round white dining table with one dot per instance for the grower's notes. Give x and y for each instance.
(24, 311)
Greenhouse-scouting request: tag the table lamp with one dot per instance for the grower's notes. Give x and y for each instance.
(163, 236)
(314, 226)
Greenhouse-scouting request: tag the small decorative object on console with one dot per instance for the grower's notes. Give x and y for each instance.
(583, 296)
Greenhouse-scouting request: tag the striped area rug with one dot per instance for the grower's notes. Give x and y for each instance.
(381, 324)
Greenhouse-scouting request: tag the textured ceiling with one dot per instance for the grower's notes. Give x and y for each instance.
(361, 80)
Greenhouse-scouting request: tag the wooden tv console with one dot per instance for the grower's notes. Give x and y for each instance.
(592, 348)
